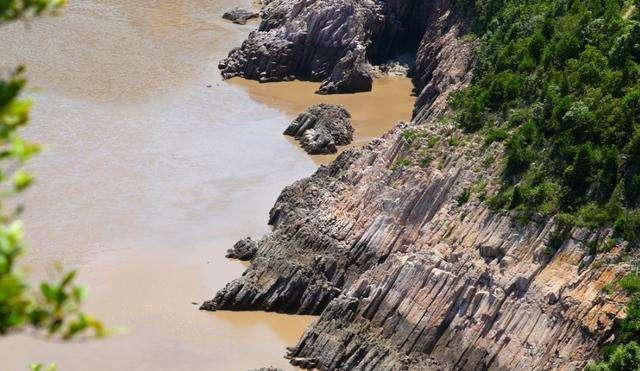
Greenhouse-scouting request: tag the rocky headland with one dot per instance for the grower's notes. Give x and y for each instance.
(392, 244)
(332, 41)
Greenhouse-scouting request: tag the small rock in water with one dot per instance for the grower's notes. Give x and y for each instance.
(321, 128)
(239, 15)
(194, 303)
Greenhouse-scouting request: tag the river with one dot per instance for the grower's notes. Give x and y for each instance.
(153, 167)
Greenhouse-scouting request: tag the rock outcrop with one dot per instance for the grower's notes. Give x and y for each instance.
(239, 15)
(321, 128)
(333, 41)
(405, 275)
(243, 250)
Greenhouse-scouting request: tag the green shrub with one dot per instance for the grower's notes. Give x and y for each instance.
(627, 225)
(495, 135)
(519, 156)
(630, 283)
(622, 358)
(409, 135)
(559, 82)
(425, 160)
(463, 197)
(401, 162)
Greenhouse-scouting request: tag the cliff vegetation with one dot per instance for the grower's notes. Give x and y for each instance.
(558, 82)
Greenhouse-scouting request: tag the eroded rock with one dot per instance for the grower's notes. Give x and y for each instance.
(240, 15)
(244, 249)
(331, 41)
(351, 74)
(321, 128)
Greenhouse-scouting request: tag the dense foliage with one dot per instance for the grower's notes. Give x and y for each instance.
(55, 307)
(19, 9)
(625, 353)
(559, 82)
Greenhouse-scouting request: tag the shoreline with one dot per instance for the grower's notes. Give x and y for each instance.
(142, 183)
(404, 265)
(157, 182)
(373, 113)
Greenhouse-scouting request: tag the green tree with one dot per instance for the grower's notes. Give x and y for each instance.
(54, 307)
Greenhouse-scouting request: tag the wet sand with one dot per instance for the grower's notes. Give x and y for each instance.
(372, 113)
(153, 167)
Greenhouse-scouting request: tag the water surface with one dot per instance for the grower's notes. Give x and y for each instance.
(372, 113)
(153, 168)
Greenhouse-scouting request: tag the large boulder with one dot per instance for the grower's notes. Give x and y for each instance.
(321, 128)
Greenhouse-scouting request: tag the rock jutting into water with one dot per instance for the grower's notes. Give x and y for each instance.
(403, 274)
(243, 250)
(321, 128)
(333, 41)
(239, 15)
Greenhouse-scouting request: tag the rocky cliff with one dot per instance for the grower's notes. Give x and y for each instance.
(333, 41)
(392, 246)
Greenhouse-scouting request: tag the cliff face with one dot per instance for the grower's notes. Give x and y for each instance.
(404, 272)
(332, 41)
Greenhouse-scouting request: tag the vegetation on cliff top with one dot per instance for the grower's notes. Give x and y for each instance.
(558, 81)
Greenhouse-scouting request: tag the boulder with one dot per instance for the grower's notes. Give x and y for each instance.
(321, 128)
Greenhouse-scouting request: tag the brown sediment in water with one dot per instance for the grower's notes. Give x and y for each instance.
(145, 183)
(154, 167)
(372, 113)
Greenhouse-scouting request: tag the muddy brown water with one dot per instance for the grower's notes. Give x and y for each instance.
(372, 113)
(153, 167)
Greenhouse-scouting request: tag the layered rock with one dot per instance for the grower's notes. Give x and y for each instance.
(321, 128)
(243, 250)
(405, 277)
(239, 15)
(405, 273)
(333, 41)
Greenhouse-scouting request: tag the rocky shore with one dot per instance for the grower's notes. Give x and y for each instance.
(332, 41)
(403, 270)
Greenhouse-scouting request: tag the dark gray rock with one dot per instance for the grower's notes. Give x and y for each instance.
(332, 41)
(321, 128)
(239, 15)
(244, 249)
(351, 74)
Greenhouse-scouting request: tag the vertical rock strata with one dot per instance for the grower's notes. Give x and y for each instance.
(333, 41)
(405, 275)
